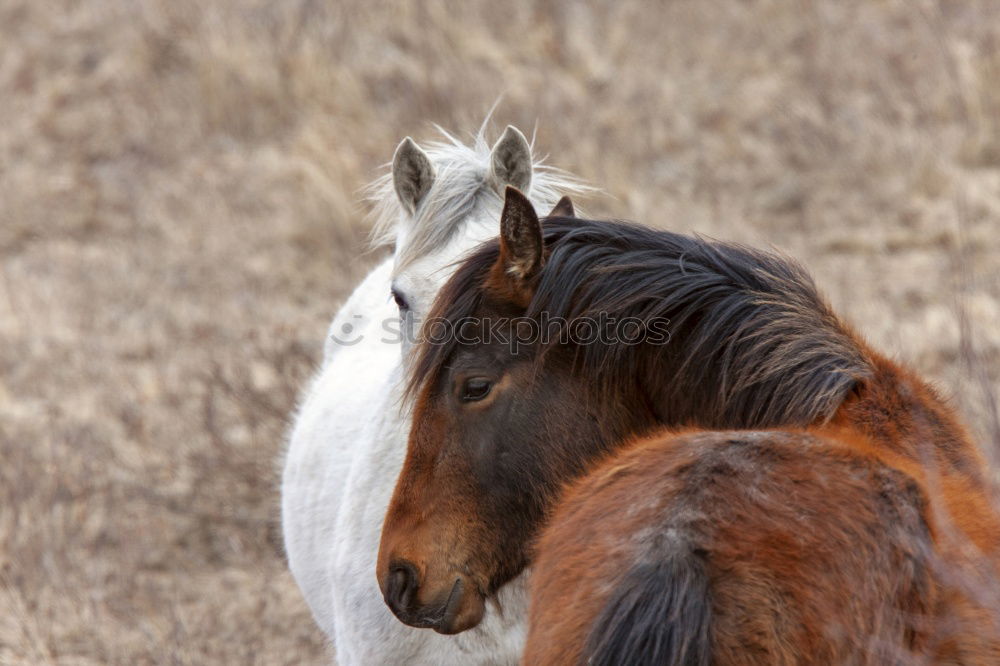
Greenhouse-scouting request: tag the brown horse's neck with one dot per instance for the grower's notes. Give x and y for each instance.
(904, 414)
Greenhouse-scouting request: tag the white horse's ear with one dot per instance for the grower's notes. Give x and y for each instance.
(510, 161)
(412, 174)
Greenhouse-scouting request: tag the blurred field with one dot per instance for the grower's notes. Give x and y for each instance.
(179, 219)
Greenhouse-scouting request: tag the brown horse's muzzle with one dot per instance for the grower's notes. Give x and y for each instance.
(425, 569)
(446, 601)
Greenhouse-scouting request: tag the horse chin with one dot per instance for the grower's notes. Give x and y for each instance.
(463, 610)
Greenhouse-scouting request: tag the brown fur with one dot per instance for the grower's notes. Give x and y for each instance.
(820, 548)
(906, 415)
(871, 519)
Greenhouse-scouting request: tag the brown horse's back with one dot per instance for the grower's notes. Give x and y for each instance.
(743, 548)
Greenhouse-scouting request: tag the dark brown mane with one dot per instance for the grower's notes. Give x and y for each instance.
(752, 343)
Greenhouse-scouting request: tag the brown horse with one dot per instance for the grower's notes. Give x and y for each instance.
(885, 520)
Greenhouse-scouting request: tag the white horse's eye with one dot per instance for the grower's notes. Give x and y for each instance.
(401, 302)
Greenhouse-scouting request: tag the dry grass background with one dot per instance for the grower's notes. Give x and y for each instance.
(179, 221)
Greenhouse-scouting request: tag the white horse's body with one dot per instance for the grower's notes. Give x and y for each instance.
(349, 440)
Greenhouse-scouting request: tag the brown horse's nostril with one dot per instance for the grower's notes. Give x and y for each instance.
(446, 610)
(402, 586)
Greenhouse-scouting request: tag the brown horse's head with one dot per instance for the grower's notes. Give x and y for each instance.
(521, 384)
(481, 468)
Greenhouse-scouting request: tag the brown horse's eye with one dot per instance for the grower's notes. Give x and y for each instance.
(475, 389)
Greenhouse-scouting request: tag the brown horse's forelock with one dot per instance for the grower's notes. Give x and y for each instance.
(753, 344)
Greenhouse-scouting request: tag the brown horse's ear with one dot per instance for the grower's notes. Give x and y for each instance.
(564, 208)
(520, 236)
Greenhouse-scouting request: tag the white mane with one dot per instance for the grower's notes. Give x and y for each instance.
(461, 188)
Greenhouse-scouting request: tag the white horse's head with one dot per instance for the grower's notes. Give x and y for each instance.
(436, 205)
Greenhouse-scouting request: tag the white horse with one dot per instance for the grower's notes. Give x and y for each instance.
(349, 440)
